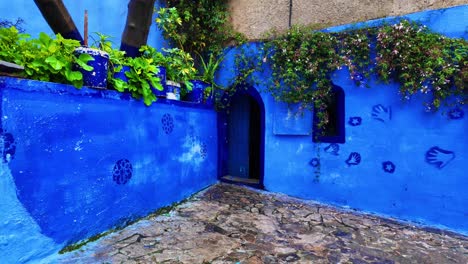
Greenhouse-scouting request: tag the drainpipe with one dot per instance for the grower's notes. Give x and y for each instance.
(58, 18)
(290, 12)
(135, 35)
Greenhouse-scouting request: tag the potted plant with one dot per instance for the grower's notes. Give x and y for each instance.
(118, 63)
(45, 59)
(143, 79)
(161, 62)
(203, 88)
(180, 70)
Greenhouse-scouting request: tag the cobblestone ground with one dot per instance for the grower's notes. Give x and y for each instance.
(231, 224)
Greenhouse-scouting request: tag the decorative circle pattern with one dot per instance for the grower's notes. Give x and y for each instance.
(122, 172)
(167, 123)
(203, 150)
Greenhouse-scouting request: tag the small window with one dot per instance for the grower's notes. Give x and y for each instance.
(334, 130)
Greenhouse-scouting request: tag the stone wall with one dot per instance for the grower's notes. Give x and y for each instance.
(253, 18)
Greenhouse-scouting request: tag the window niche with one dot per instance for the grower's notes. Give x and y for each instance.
(334, 130)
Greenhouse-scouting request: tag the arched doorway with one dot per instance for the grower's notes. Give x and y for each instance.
(241, 130)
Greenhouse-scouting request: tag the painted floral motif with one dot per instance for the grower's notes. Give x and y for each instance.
(355, 121)
(122, 172)
(382, 113)
(315, 162)
(167, 123)
(8, 145)
(388, 166)
(456, 113)
(333, 149)
(439, 157)
(353, 159)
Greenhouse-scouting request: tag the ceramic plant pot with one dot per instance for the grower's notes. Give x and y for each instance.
(161, 75)
(172, 90)
(121, 74)
(96, 78)
(196, 95)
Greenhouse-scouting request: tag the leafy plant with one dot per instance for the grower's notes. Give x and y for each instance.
(423, 62)
(355, 48)
(45, 58)
(302, 61)
(142, 77)
(179, 66)
(117, 60)
(209, 68)
(198, 27)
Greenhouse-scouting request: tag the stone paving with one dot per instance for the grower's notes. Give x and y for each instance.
(232, 224)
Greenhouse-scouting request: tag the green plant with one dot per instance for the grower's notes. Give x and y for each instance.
(179, 66)
(423, 61)
(117, 60)
(198, 27)
(209, 68)
(355, 48)
(45, 58)
(302, 61)
(142, 77)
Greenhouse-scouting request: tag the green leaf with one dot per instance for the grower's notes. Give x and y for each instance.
(54, 63)
(73, 75)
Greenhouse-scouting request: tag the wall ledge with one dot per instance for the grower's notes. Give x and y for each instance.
(29, 85)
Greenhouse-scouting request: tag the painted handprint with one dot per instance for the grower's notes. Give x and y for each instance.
(439, 157)
(333, 149)
(382, 113)
(353, 159)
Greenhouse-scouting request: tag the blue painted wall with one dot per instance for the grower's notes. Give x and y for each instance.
(106, 16)
(79, 162)
(408, 164)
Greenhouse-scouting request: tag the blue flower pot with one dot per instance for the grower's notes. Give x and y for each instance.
(172, 90)
(96, 78)
(161, 75)
(121, 74)
(196, 95)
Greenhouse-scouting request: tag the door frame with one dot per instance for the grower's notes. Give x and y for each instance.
(222, 125)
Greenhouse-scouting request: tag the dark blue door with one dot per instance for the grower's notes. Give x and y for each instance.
(238, 137)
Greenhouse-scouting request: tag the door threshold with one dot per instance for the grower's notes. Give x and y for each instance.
(242, 181)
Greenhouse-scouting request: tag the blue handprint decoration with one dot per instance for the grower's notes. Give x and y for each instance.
(333, 149)
(388, 167)
(122, 172)
(456, 113)
(439, 157)
(353, 159)
(355, 121)
(382, 113)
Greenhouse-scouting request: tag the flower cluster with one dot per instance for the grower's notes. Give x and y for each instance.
(302, 61)
(423, 62)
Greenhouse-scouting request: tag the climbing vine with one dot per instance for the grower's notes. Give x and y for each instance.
(302, 61)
